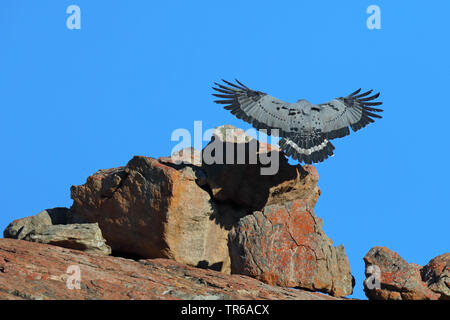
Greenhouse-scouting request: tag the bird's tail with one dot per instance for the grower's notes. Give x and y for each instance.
(314, 151)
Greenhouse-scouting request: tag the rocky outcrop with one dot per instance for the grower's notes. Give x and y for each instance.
(390, 277)
(284, 245)
(234, 215)
(50, 226)
(436, 274)
(40, 271)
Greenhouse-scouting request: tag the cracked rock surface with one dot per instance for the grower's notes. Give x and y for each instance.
(39, 271)
(284, 245)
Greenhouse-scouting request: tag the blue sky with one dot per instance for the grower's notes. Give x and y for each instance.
(75, 101)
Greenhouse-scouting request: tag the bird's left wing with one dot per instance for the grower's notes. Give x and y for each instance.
(355, 110)
(257, 108)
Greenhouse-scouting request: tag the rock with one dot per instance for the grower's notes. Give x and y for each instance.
(185, 156)
(20, 228)
(244, 184)
(49, 226)
(151, 209)
(284, 245)
(436, 274)
(86, 237)
(39, 271)
(390, 277)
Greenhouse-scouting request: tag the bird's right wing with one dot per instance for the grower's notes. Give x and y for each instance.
(258, 108)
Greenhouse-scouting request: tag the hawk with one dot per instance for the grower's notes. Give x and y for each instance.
(305, 128)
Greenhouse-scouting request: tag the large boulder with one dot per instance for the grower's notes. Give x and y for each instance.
(50, 226)
(390, 277)
(284, 245)
(152, 209)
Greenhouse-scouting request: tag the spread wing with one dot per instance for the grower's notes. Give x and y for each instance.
(355, 110)
(258, 108)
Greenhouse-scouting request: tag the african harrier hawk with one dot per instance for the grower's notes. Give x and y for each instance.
(305, 128)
